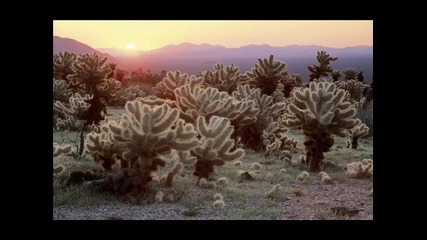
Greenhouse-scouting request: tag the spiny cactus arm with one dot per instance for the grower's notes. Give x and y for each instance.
(354, 88)
(216, 142)
(267, 74)
(223, 78)
(153, 101)
(186, 97)
(62, 65)
(350, 74)
(174, 79)
(185, 137)
(360, 130)
(63, 149)
(61, 107)
(153, 130)
(61, 90)
(90, 69)
(103, 144)
(109, 88)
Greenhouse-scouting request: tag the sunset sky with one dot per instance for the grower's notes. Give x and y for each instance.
(148, 35)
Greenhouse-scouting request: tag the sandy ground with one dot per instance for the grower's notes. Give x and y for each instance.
(313, 203)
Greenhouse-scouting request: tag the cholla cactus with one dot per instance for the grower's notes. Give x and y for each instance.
(320, 110)
(278, 95)
(359, 170)
(194, 101)
(216, 145)
(61, 91)
(275, 140)
(172, 81)
(62, 65)
(129, 94)
(325, 177)
(102, 147)
(354, 134)
(266, 74)
(223, 78)
(273, 191)
(147, 134)
(90, 73)
(350, 74)
(354, 88)
(336, 74)
(290, 82)
(265, 131)
(324, 69)
(75, 112)
(302, 176)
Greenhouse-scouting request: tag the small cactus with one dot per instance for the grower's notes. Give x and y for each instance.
(218, 196)
(272, 192)
(256, 167)
(303, 175)
(222, 182)
(219, 203)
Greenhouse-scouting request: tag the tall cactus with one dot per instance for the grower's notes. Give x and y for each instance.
(324, 67)
(147, 133)
(267, 74)
(90, 73)
(62, 65)
(320, 110)
(216, 145)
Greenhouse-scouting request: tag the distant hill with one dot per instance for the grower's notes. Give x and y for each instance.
(70, 45)
(192, 58)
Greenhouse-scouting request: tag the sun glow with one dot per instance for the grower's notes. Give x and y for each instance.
(130, 46)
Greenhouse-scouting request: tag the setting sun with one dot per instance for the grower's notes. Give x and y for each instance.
(130, 46)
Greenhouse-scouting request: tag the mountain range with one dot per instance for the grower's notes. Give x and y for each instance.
(192, 58)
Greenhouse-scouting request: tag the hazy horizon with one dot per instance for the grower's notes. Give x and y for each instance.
(150, 35)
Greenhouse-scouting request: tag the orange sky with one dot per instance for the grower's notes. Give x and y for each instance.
(148, 35)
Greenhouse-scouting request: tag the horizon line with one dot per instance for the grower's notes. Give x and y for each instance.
(219, 45)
